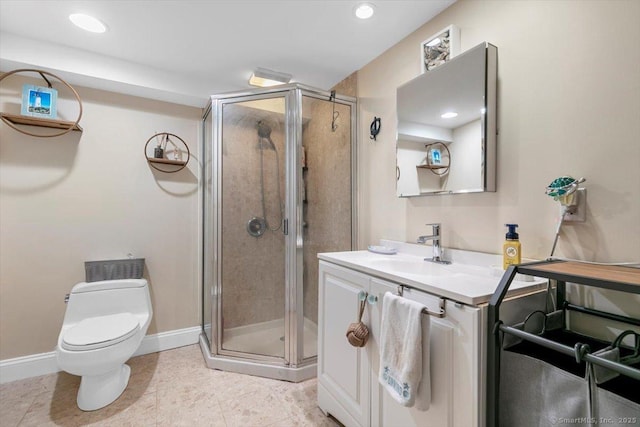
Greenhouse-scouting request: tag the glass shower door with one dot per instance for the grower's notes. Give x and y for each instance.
(326, 194)
(252, 199)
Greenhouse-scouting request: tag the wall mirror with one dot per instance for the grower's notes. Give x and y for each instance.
(446, 141)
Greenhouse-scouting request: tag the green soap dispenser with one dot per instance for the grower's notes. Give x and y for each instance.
(511, 248)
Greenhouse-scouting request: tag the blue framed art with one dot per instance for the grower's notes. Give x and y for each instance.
(38, 101)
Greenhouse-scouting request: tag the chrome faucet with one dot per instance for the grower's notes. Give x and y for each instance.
(435, 239)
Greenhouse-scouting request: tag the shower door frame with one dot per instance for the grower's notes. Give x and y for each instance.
(296, 367)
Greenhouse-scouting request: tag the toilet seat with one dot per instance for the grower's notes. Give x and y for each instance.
(102, 331)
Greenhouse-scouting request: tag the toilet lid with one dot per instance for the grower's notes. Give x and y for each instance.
(101, 331)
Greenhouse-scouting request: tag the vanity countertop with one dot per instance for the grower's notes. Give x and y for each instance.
(471, 278)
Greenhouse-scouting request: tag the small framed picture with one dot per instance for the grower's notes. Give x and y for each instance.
(435, 157)
(440, 47)
(38, 101)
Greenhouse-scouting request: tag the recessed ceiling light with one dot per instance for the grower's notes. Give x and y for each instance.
(364, 10)
(449, 115)
(262, 77)
(87, 23)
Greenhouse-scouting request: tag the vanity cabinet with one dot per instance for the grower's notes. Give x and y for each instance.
(348, 387)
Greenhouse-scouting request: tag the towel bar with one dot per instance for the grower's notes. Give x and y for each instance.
(440, 314)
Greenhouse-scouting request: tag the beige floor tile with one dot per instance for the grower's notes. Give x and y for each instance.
(16, 397)
(171, 388)
(134, 411)
(257, 409)
(189, 405)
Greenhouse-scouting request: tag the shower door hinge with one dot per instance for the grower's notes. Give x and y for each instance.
(285, 227)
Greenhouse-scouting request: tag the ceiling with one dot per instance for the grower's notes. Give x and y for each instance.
(183, 51)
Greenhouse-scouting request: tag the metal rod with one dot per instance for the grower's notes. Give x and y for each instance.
(604, 314)
(45, 79)
(440, 314)
(494, 346)
(570, 351)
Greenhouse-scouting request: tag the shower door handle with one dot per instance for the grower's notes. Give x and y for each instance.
(285, 227)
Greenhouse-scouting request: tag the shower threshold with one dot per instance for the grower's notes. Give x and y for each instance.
(263, 339)
(267, 338)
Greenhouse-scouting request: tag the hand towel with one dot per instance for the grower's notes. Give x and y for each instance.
(404, 366)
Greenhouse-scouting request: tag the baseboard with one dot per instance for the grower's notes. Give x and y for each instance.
(35, 365)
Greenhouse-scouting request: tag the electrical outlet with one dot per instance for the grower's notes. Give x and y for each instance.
(577, 212)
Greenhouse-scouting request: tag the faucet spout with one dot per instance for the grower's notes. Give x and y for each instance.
(435, 239)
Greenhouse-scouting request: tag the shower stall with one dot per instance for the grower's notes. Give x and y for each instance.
(279, 187)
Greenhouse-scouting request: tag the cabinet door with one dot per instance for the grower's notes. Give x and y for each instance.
(343, 370)
(452, 371)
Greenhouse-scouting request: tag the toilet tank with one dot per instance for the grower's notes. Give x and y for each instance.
(90, 299)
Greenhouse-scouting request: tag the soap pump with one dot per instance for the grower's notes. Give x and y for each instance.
(511, 247)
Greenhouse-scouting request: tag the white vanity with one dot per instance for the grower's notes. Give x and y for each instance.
(348, 387)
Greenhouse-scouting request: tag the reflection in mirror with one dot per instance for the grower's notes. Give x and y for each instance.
(447, 127)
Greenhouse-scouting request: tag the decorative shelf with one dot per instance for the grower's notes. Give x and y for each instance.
(432, 167)
(36, 121)
(62, 126)
(165, 137)
(166, 161)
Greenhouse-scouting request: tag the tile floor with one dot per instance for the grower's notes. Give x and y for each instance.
(170, 388)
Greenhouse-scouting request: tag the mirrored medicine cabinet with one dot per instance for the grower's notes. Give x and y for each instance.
(446, 142)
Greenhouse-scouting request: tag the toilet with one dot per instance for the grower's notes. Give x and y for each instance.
(103, 326)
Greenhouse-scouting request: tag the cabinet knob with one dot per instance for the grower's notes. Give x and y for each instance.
(372, 299)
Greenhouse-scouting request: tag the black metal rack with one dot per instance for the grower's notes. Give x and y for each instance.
(619, 278)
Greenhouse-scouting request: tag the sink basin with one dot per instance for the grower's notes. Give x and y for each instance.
(414, 265)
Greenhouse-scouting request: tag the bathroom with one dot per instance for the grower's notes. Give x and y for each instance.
(568, 103)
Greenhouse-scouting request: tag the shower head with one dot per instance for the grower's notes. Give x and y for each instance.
(264, 132)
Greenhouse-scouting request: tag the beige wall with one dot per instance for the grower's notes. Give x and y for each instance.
(569, 103)
(89, 196)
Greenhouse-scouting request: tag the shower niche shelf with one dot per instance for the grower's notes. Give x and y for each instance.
(165, 138)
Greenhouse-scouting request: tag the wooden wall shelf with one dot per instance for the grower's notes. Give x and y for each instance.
(166, 161)
(36, 121)
(155, 161)
(64, 127)
(431, 167)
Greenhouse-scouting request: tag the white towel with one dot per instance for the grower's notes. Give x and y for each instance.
(404, 366)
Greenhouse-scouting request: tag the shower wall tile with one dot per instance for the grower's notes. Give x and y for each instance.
(252, 267)
(327, 212)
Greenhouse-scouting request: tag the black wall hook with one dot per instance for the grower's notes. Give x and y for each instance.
(375, 128)
(335, 114)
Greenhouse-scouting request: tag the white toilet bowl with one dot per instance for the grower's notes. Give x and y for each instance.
(103, 326)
